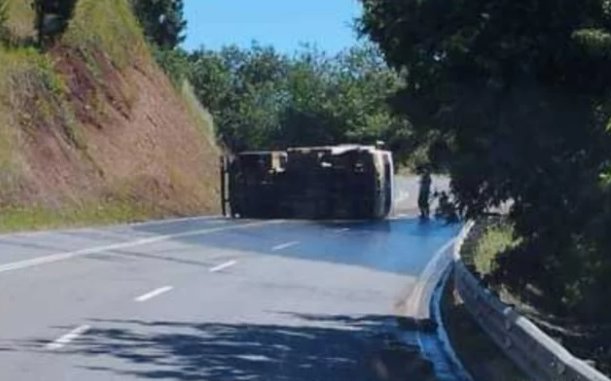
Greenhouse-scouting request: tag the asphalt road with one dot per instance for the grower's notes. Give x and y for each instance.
(406, 193)
(217, 299)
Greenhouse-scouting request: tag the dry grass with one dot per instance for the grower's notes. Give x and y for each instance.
(19, 69)
(108, 26)
(21, 19)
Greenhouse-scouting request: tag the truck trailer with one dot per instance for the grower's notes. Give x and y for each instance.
(330, 182)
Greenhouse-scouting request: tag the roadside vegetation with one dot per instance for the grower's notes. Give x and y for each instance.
(516, 97)
(72, 78)
(263, 99)
(485, 258)
(85, 215)
(496, 239)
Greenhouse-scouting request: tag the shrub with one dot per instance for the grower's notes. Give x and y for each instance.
(174, 63)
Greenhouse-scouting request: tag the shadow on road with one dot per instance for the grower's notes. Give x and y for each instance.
(338, 348)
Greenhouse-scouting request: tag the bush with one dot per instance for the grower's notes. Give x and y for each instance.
(264, 99)
(174, 63)
(163, 21)
(518, 94)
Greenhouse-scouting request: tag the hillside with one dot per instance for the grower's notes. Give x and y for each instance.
(92, 131)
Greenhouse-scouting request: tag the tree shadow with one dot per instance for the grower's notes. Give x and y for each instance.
(340, 348)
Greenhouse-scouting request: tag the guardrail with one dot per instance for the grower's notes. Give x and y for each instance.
(537, 354)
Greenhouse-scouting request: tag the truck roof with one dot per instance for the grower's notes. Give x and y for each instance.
(333, 150)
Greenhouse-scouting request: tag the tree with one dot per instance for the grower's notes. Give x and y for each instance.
(162, 20)
(52, 17)
(364, 83)
(308, 118)
(517, 95)
(243, 90)
(174, 62)
(262, 99)
(163, 24)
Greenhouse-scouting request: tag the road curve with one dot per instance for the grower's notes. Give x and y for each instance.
(217, 299)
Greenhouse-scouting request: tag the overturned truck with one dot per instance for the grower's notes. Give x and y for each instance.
(334, 182)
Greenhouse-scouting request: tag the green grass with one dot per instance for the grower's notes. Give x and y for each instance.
(22, 72)
(14, 219)
(494, 241)
(34, 94)
(106, 26)
(7, 147)
(20, 19)
(201, 117)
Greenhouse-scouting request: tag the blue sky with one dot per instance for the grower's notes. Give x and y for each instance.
(281, 23)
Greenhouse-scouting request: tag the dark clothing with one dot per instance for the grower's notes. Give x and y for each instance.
(425, 195)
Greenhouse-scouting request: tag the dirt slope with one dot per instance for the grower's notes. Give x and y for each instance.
(93, 122)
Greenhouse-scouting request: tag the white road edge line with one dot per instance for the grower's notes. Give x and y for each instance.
(285, 245)
(223, 266)
(124, 245)
(154, 293)
(67, 338)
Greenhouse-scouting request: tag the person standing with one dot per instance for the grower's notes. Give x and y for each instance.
(425, 194)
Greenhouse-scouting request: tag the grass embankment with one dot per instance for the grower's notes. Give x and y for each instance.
(21, 19)
(33, 93)
(58, 126)
(108, 27)
(36, 218)
(200, 115)
(479, 354)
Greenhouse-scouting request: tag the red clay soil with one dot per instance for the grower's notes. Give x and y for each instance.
(133, 138)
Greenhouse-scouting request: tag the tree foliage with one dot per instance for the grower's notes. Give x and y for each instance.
(163, 21)
(174, 62)
(262, 99)
(517, 93)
